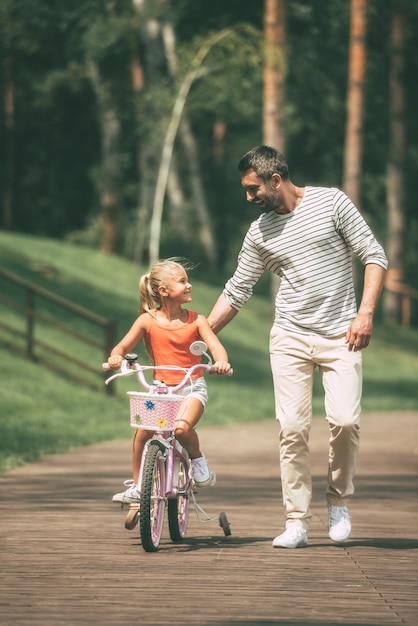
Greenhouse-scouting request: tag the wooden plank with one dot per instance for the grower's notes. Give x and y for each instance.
(66, 558)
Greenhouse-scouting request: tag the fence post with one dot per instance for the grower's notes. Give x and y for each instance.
(110, 334)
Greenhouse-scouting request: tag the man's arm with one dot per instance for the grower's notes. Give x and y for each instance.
(221, 314)
(360, 330)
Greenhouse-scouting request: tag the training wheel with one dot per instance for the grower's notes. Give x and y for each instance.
(224, 524)
(132, 517)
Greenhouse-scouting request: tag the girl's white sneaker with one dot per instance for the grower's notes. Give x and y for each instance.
(203, 477)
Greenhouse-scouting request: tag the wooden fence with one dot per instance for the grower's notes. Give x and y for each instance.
(76, 340)
(407, 294)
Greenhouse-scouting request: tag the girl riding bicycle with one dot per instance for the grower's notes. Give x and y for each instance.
(168, 330)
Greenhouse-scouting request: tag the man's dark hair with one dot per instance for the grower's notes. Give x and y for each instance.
(265, 161)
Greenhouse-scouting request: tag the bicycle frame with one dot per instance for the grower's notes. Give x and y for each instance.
(173, 451)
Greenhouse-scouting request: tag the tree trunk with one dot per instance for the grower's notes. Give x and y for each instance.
(274, 75)
(355, 97)
(354, 108)
(112, 214)
(178, 203)
(145, 76)
(144, 194)
(395, 165)
(9, 121)
(202, 212)
(170, 136)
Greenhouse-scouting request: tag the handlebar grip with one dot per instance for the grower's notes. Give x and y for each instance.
(106, 367)
(228, 373)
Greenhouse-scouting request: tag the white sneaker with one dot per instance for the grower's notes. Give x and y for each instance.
(201, 474)
(293, 537)
(339, 523)
(131, 494)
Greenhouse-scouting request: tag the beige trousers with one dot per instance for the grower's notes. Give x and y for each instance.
(293, 360)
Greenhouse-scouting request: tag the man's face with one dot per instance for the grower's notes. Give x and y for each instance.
(265, 194)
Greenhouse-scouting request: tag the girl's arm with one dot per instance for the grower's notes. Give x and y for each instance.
(220, 355)
(129, 341)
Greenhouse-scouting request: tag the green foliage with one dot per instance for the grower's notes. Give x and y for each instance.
(42, 412)
(53, 155)
(109, 41)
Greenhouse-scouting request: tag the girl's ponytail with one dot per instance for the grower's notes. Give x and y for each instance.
(146, 296)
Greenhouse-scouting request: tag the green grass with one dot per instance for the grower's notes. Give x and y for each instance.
(42, 412)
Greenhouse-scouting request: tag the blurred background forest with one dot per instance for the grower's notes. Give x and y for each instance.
(122, 122)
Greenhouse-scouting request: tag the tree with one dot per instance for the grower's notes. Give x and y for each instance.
(189, 142)
(274, 73)
(107, 51)
(9, 37)
(395, 167)
(111, 203)
(168, 146)
(149, 88)
(355, 97)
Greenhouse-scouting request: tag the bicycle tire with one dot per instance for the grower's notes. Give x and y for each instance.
(152, 500)
(178, 507)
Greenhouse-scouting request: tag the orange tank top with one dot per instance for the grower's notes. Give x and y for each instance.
(171, 347)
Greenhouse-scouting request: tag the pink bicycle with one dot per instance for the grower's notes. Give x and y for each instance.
(165, 478)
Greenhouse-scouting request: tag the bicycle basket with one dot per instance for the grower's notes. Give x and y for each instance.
(151, 411)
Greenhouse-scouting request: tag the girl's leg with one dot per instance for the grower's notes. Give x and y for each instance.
(131, 493)
(140, 439)
(185, 432)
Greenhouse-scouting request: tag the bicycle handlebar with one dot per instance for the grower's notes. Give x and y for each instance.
(128, 368)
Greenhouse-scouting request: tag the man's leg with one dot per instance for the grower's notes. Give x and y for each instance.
(341, 372)
(292, 371)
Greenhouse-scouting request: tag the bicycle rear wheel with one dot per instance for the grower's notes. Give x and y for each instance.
(178, 508)
(152, 501)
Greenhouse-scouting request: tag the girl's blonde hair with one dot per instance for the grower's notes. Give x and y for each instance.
(160, 274)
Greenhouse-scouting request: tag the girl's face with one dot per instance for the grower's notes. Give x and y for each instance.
(178, 287)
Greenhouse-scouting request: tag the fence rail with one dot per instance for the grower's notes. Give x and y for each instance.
(394, 284)
(28, 310)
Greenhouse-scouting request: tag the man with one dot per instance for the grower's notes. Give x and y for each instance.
(306, 236)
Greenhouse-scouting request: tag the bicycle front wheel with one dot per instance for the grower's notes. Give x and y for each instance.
(152, 501)
(178, 507)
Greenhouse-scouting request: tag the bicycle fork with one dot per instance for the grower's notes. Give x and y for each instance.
(173, 453)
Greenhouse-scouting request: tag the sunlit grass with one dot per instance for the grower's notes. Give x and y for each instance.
(42, 412)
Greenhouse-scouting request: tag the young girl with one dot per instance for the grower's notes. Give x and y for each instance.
(168, 330)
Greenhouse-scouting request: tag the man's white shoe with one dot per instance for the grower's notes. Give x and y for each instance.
(339, 523)
(293, 537)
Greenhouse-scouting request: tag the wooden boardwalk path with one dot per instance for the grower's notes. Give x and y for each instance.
(66, 558)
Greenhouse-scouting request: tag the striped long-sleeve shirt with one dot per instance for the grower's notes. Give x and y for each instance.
(310, 249)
